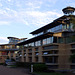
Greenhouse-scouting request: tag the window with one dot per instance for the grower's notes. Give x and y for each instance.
(30, 50)
(17, 47)
(68, 27)
(73, 46)
(44, 41)
(48, 40)
(29, 44)
(64, 27)
(60, 40)
(56, 28)
(21, 46)
(26, 45)
(32, 44)
(50, 47)
(45, 53)
(72, 66)
(51, 59)
(36, 49)
(36, 53)
(25, 54)
(38, 43)
(55, 40)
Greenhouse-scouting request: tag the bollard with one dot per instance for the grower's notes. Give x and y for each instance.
(31, 68)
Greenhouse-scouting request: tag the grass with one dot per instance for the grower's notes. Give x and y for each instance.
(44, 73)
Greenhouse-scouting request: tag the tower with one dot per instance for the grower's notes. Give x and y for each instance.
(68, 10)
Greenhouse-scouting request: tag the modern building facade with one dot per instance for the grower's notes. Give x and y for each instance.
(9, 50)
(52, 44)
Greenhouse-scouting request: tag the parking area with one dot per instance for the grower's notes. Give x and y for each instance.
(13, 71)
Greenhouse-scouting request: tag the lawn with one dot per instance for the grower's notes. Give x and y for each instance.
(42, 73)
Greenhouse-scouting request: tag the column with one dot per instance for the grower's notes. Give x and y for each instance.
(27, 59)
(40, 58)
(33, 54)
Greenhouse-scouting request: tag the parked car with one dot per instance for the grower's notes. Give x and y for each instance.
(10, 62)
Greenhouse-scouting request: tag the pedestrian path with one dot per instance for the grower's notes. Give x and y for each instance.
(12, 71)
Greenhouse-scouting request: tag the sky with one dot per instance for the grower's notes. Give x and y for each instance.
(20, 17)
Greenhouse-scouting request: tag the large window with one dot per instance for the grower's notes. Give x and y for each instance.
(64, 27)
(70, 39)
(31, 44)
(55, 29)
(49, 40)
(60, 40)
(51, 59)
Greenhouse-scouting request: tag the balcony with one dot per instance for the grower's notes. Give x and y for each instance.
(3, 55)
(50, 55)
(50, 47)
(51, 63)
(8, 49)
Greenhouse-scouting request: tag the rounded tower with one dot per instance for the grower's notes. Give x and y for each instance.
(68, 10)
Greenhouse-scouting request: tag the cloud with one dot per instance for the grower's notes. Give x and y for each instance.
(9, 0)
(3, 40)
(4, 23)
(37, 18)
(1, 5)
(27, 15)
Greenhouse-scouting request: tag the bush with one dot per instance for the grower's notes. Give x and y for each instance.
(1, 63)
(26, 64)
(39, 67)
(12, 59)
(49, 71)
(23, 64)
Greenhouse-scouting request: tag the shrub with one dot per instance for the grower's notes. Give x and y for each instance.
(26, 64)
(12, 59)
(1, 63)
(23, 64)
(39, 67)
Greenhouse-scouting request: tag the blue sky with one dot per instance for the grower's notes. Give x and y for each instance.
(20, 17)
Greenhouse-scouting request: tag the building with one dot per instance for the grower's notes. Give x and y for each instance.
(9, 50)
(52, 44)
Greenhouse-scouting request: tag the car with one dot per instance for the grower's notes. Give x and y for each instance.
(7, 61)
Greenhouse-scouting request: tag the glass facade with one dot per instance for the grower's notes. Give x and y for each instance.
(38, 43)
(48, 40)
(60, 40)
(70, 39)
(54, 29)
(12, 40)
(42, 42)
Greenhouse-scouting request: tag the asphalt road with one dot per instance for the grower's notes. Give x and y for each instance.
(12, 71)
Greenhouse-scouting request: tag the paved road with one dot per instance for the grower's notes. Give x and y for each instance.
(12, 71)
